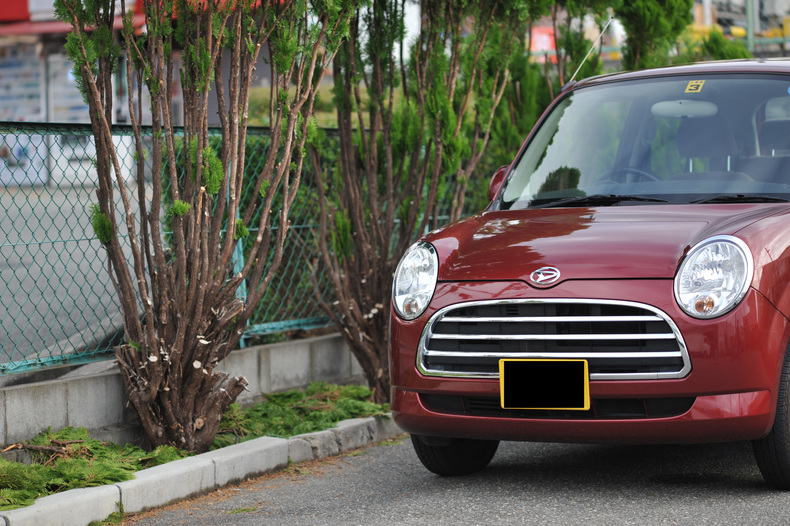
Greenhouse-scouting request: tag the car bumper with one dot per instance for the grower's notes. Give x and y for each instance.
(716, 418)
(731, 389)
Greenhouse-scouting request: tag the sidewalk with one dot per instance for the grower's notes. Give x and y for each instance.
(178, 480)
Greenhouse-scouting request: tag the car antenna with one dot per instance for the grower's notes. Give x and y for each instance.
(573, 78)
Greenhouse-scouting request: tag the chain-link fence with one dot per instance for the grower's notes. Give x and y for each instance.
(59, 304)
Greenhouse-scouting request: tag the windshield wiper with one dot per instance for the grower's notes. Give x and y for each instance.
(598, 200)
(741, 198)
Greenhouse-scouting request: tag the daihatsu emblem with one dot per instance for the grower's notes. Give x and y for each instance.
(545, 276)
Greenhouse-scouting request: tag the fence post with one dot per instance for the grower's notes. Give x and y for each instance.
(750, 25)
(238, 265)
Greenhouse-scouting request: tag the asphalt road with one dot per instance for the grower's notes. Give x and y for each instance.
(526, 483)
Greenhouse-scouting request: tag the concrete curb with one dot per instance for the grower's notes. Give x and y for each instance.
(191, 476)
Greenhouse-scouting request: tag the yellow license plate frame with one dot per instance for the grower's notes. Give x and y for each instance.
(544, 384)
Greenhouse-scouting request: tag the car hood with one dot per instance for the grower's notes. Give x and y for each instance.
(627, 242)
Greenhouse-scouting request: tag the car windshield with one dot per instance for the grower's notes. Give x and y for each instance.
(701, 139)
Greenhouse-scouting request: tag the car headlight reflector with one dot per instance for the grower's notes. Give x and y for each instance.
(415, 280)
(714, 277)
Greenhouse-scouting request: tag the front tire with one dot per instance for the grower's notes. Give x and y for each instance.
(452, 457)
(773, 452)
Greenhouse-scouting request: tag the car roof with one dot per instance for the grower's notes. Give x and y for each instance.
(771, 65)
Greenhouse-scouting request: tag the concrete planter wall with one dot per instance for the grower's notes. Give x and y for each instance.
(94, 398)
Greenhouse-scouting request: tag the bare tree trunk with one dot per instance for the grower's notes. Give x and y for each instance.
(400, 150)
(181, 313)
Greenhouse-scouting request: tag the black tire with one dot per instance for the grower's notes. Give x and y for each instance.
(452, 457)
(773, 452)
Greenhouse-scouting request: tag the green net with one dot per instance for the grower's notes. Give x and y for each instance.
(60, 306)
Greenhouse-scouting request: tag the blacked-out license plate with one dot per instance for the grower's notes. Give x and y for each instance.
(544, 384)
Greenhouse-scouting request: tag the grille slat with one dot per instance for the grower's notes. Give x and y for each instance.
(561, 337)
(557, 355)
(544, 319)
(620, 340)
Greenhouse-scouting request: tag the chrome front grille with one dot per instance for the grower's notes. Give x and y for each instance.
(620, 340)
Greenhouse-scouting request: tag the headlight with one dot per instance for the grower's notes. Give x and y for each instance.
(415, 280)
(714, 277)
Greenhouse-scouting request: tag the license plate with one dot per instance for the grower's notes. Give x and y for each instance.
(544, 384)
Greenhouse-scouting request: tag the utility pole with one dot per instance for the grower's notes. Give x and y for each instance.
(707, 15)
(750, 25)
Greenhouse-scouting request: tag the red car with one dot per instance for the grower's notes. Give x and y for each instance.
(629, 281)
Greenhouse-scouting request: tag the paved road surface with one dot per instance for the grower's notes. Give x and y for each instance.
(526, 483)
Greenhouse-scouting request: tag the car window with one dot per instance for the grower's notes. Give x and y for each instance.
(678, 139)
(665, 160)
(777, 108)
(566, 149)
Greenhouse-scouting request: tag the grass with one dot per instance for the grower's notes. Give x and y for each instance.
(243, 510)
(325, 110)
(116, 517)
(294, 412)
(69, 458)
(325, 114)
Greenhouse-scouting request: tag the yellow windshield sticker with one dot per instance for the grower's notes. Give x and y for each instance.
(695, 86)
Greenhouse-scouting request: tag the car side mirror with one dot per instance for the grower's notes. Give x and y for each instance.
(496, 182)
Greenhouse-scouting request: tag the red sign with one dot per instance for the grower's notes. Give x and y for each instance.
(14, 11)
